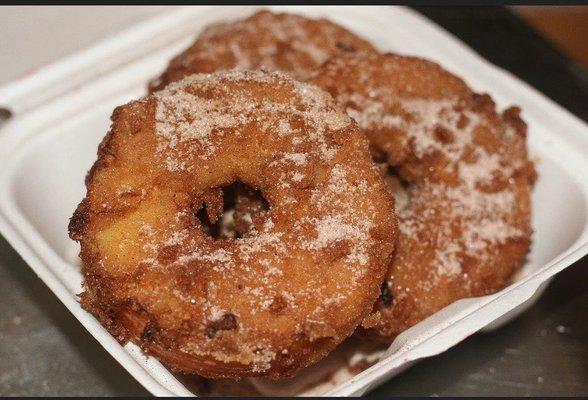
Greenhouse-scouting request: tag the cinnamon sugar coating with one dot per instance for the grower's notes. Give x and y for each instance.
(266, 304)
(283, 42)
(460, 174)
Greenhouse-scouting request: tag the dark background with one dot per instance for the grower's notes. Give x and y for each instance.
(45, 351)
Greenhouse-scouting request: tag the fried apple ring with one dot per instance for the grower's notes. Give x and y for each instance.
(268, 303)
(279, 42)
(460, 173)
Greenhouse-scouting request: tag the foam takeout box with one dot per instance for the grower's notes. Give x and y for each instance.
(61, 112)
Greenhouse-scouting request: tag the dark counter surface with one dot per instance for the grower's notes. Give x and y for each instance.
(45, 351)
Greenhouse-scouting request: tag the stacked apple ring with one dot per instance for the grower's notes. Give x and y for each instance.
(460, 174)
(271, 280)
(278, 42)
(266, 304)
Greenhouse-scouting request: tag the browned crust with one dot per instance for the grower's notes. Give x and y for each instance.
(213, 50)
(395, 83)
(156, 305)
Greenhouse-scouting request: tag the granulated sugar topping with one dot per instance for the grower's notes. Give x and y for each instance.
(483, 217)
(184, 116)
(277, 42)
(312, 165)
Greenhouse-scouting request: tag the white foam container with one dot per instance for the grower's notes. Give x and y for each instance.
(61, 112)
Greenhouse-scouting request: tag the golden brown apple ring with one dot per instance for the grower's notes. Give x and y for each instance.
(271, 302)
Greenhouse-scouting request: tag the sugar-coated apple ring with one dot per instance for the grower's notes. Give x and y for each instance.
(265, 304)
(461, 177)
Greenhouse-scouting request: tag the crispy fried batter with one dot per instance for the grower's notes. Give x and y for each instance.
(269, 303)
(279, 42)
(460, 174)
